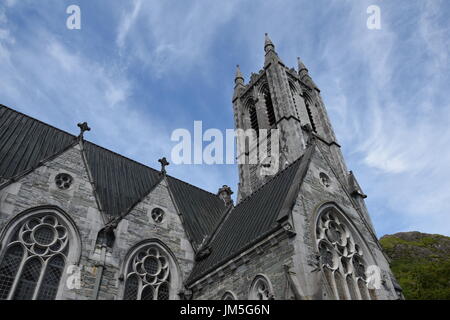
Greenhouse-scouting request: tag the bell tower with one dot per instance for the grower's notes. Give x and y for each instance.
(287, 103)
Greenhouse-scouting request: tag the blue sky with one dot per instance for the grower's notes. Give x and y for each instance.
(137, 70)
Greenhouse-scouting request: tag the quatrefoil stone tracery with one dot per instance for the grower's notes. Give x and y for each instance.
(337, 247)
(151, 266)
(63, 181)
(157, 215)
(43, 236)
(148, 275)
(261, 290)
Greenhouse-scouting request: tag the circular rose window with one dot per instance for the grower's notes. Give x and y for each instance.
(63, 181)
(158, 215)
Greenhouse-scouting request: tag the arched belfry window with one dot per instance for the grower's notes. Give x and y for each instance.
(343, 256)
(253, 115)
(151, 273)
(308, 104)
(269, 106)
(294, 93)
(37, 246)
(261, 289)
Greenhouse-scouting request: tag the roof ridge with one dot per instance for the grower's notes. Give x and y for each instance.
(147, 166)
(120, 155)
(106, 149)
(215, 195)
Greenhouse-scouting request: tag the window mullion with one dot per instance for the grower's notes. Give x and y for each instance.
(41, 277)
(140, 289)
(18, 274)
(334, 286)
(356, 286)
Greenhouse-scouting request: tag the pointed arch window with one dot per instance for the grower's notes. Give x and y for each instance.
(151, 274)
(253, 118)
(261, 289)
(308, 104)
(269, 106)
(294, 94)
(342, 257)
(252, 115)
(34, 255)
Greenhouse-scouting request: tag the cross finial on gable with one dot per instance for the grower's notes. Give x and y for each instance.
(83, 128)
(164, 164)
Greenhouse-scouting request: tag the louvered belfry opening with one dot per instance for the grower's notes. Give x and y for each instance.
(254, 119)
(310, 115)
(269, 107)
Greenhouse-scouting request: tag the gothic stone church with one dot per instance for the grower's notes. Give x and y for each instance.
(78, 221)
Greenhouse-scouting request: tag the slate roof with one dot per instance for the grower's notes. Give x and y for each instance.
(200, 209)
(254, 218)
(25, 142)
(120, 183)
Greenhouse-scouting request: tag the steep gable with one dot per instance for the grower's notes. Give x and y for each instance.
(200, 209)
(119, 183)
(254, 218)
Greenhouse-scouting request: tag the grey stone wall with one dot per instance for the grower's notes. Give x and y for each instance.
(312, 195)
(38, 188)
(268, 261)
(139, 226)
(298, 253)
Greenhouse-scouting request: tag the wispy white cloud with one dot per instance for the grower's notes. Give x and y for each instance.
(6, 37)
(10, 3)
(64, 86)
(173, 36)
(386, 90)
(127, 22)
(401, 150)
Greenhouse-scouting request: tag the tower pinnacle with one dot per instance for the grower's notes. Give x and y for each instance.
(239, 78)
(301, 66)
(268, 44)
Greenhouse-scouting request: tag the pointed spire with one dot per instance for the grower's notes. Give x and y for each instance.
(304, 74)
(239, 78)
(268, 44)
(301, 66)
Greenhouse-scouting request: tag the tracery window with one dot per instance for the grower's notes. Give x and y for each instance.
(150, 274)
(261, 289)
(342, 258)
(33, 258)
(63, 181)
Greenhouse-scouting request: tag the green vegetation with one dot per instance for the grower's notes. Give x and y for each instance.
(421, 264)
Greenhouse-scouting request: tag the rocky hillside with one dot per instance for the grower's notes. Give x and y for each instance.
(421, 263)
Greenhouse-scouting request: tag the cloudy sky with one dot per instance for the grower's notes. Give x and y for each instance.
(137, 70)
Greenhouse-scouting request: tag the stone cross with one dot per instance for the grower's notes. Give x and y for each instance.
(83, 128)
(164, 164)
